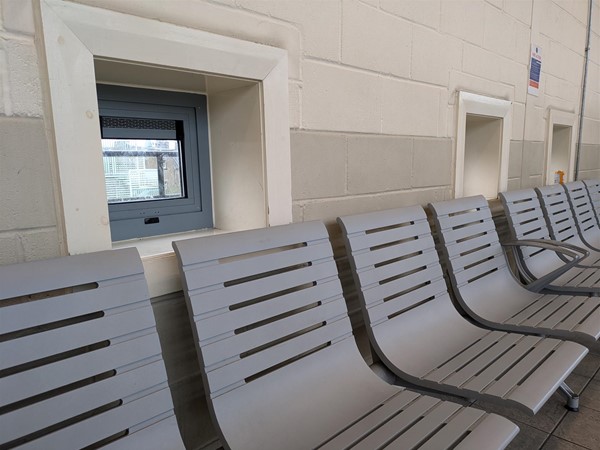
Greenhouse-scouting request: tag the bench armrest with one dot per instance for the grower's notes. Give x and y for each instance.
(570, 252)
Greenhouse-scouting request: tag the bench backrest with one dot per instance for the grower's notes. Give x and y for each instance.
(477, 267)
(273, 335)
(585, 215)
(593, 188)
(402, 291)
(525, 218)
(394, 260)
(80, 359)
(471, 245)
(558, 214)
(261, 299)
(395, 265)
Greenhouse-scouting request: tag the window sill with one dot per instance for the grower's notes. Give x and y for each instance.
(159, 260)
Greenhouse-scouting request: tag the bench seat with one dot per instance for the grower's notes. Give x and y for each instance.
(280, 365)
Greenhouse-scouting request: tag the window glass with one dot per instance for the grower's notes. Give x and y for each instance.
(142, 169)
(156, 161)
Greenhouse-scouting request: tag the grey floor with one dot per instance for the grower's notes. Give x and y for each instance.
(556, 428)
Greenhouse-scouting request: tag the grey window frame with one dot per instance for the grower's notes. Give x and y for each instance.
(155, 217)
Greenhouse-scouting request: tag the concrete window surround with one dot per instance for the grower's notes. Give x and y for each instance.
(560, 142)
(470, 104)
(75, 36)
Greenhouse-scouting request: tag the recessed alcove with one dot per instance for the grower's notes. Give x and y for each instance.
(482, 145)
(560, 141)
(483, 137)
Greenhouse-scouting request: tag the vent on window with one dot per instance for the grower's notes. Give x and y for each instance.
(138, 124)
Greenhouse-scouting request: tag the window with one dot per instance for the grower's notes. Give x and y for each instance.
(156, 161)
(74, 36)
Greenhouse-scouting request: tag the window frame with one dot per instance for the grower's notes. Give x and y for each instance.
(72, 36)
(194, 210)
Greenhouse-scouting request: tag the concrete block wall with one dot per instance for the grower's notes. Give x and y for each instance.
(28, 224)
(377, 80)
(383, 75)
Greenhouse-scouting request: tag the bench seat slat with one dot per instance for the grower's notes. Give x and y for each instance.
(371, 422)
(366, 257)
(512, 356)
(114, 421)
(227, 321)
(461, 424)
(217, 273)
(400, 423)
(52, 342)
(484, 360)
(32, 314)
(39, 276)
(53, 410)
(54, 375)
(242, 342)
(512, 378)
(391, 270)
(241, 369)
(217, 298)
(422, 431)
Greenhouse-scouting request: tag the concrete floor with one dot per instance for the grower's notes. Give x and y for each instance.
(556, 428)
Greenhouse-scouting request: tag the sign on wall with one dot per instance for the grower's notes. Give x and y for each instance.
(535, 70)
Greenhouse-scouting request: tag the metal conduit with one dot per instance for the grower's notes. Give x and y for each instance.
(583, 88)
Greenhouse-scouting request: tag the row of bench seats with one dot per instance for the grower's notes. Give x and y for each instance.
(81, 365)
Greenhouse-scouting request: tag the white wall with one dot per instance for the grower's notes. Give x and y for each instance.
(373, 87)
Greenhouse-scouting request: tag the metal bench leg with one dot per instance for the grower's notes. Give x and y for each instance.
(572, 397)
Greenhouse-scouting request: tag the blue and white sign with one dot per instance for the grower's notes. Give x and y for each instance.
(535, 70)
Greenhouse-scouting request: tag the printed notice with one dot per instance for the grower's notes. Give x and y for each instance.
(535, 70)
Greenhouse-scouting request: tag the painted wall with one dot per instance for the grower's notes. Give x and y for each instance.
(373, 88)
(28, 222)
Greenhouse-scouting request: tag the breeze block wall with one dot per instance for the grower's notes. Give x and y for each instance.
(28, 220)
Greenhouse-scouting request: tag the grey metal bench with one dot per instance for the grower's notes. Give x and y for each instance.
(80, 360)
(486, 290)
(543, 265)
(420, 336)
(280, 365)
